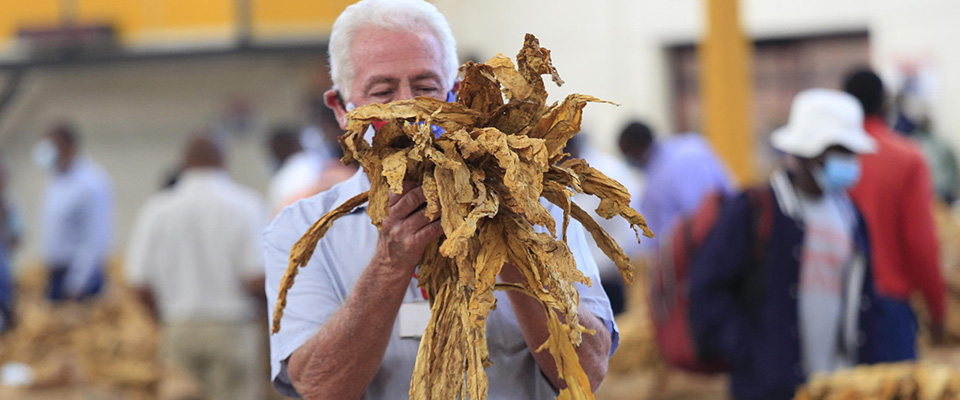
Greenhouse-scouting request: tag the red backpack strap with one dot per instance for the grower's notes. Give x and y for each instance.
(761, 206)
(754, 290)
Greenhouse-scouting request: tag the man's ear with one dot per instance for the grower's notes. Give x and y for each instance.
(332, 100)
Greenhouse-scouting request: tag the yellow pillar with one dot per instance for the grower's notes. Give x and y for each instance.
(726, 88)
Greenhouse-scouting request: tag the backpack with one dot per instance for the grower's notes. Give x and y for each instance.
(668, 276)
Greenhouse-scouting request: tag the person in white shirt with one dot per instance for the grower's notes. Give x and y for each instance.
(76, 216)
(194, 257)
(617, 169)
(296, 169)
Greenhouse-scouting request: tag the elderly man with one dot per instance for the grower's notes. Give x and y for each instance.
(340, 336)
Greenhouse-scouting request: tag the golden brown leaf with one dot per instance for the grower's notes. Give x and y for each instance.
(302, 251)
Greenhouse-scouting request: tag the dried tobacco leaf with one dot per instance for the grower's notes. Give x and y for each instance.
(905, 380)
(484, 177)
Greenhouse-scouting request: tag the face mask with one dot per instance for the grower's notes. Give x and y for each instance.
(839, 173)
(45, 155)
(375, 126)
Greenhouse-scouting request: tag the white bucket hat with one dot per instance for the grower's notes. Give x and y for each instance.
(820, 118)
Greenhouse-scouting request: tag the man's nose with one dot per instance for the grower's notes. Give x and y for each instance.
(404, 92)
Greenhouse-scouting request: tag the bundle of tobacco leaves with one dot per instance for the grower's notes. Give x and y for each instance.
(900, 381)
(500, 152)
(108, 342)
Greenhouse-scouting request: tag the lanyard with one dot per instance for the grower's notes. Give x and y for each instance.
(422, 290)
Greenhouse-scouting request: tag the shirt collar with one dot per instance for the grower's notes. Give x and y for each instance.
(197, 175)
(75, 164)
(785, 194)
(875, 126)
(356, 184)
(789, 200)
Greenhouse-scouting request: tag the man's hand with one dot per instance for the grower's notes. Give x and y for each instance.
(340, 361)
(594, 350)
(407, 230)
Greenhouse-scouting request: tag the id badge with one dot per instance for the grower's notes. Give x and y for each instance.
(413, 319)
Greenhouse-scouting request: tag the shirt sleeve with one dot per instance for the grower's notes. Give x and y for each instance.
(717, 318)
(919, 245)
(136, 264)
(14, 221)
(97, 232)
(251, 260)
(310, 302)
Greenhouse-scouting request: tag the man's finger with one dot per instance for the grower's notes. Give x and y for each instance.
(416, 221)
(408, 203)
(429, 233)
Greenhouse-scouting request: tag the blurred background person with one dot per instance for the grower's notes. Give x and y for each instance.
(11, 230)
(194, 257)
(895, 196)
(778, 309)
(679, 171)
(615, 168)
(913, 120)
(319, 136)
(308, 163)
(295, 170)
(332, 171)
(76, 217)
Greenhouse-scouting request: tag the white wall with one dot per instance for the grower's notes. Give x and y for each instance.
(614, 49)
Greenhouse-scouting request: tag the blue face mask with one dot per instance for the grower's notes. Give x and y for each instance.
(839, 173)
(45, 154)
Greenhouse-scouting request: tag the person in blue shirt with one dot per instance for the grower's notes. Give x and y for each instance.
(680, 171)
(76, 216)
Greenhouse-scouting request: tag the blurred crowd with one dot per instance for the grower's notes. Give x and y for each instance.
(809, 272)
(194, 254)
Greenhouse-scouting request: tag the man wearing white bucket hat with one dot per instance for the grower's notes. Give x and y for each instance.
(782, 303)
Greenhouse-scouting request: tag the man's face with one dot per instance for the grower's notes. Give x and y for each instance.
(636, 156)
(65, 150)
(392, 65)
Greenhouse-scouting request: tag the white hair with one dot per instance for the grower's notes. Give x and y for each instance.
(392, 15)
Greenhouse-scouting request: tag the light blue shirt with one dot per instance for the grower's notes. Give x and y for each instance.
(77, 221)
(681, 171)
(340, 257)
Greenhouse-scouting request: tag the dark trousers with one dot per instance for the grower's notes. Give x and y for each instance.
(899, 324)
(7, 292)
(56, 290)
